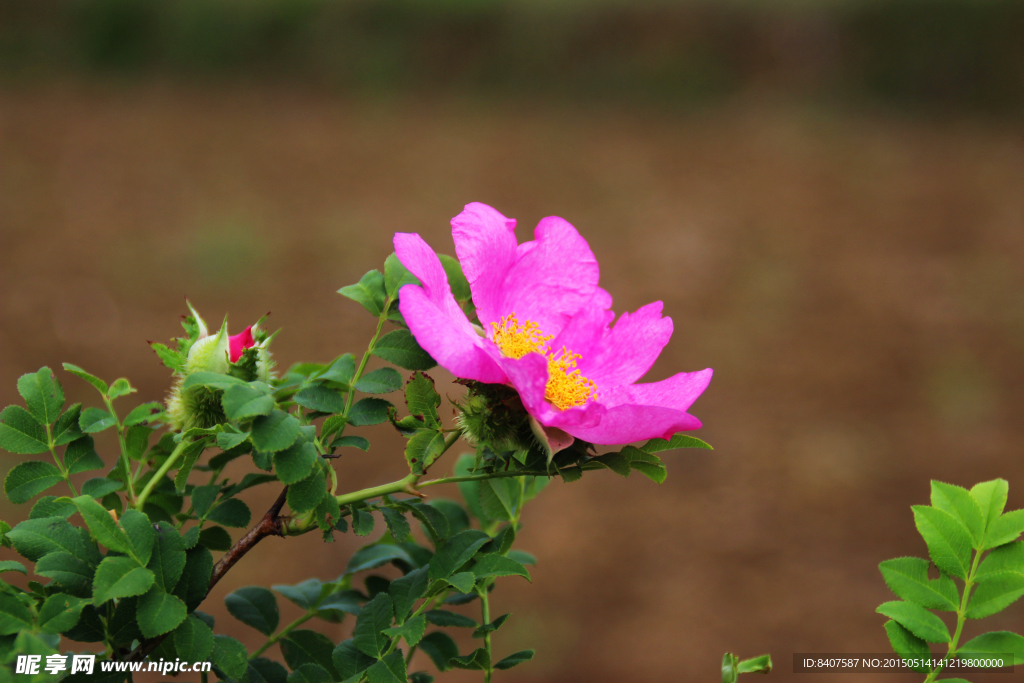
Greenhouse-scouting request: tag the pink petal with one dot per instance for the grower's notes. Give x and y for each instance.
(485, 242)
(553, 277)
(627, 352)
(435, 319)
(647, 411)
(239, 343)
(529, 376)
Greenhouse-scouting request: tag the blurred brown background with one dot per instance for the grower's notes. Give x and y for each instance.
(827, 197)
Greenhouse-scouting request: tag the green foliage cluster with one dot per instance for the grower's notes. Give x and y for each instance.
(973, 545)
(123, 563)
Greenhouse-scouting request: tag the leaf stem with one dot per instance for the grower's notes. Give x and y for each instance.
(366, 356)
(60, 465)
(485, 615)
(961, 618)
(284, 632)
(168, 463)
(124, 450)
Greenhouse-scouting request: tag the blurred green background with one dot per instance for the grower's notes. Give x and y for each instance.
(826, 196)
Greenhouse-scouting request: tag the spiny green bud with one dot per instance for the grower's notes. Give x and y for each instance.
(493, 414)
(245, 355)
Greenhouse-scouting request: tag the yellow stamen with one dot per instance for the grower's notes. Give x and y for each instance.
(566, 387)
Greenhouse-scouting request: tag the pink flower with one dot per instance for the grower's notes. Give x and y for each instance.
(546, 331)
(238, 343)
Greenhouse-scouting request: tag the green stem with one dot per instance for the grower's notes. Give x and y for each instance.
(366, 356)
(60, 465)
(481, 477)
(485, 614)
(168, 463)
(961, 618)
(124, 452)
(284, 632)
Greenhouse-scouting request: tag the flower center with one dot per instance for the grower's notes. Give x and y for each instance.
(566, 387)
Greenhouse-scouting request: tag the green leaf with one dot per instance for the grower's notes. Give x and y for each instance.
(80, 456)
(308, 647)
(379, 381)
(230, 656)
(499, 498)
(463, 581)
(917, 620)
(100, 385)
(997, 593)
(340, 371)
(195, 579)
(295, 463)
(14, 566)
(492, 565)
(456, 279)
(43, 395)
(193, 640)
(398, 525)
(320, 398)
(60, 613)
(907, 645)
(103, 528)
(306, 494)
(140, 534)
(677, 441)
(995, 643)
(991, 498)
(120, 388)
(958, 502)
(306, 594)
(1005, 529)
(203, 498)
(66, 430)
(362, 521)
(254, 606)
(338, 603)
(1008, 558)
(215, 538)
(365, 412)
(274, 432)
(94, 420)
(263, 670)
(514, 659)
(412, 630)
(351, 442)
(391, 669)
(756, 665)
(459, 549)
(212, 380)
(375, 616)
(310, 673)
(907, 577)
(645, 463)
(14, 616)
(396, 276)
(68, 571)
(400, 348)
(425, 446)
(421, 398)
(52, 506)
(376, 555)
(248, 481)
(97, 487)
(406, 590)
(28, 479)
(369, 292)
(144, 414)
(120, 577)
(491, 627)
(244, 402)
(20, 433)
(159, 612)
(231, 513)
(35, 538)
(332, 425)
(168, 558)
(440, 648)
(441, 617)
(228, 440)
(948, 541)
(348, 661)
(477, 660)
